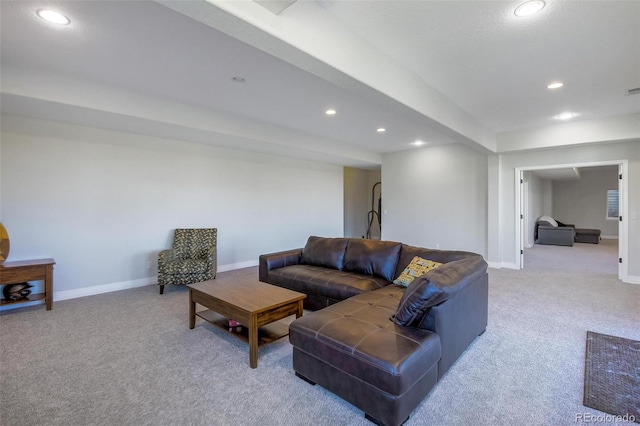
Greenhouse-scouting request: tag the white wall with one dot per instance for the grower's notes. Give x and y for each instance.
(357, 201)
(436, 197)
(104, 203)
(494, 212)
(584, 202)
(547, 196)
(619, 128)
(576, 155)
(536, 205)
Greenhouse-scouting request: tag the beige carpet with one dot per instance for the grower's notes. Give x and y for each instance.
(129, 358)
(599, 258)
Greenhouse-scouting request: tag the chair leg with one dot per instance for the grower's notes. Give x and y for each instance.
(161, 289)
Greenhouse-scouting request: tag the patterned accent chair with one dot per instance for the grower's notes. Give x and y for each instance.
(192, 258)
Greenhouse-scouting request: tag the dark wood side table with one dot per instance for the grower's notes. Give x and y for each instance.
(29, 270)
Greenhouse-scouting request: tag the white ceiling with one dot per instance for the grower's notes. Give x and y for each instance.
(564, 174)
(443, 72)
(496, 66)
(572, 173)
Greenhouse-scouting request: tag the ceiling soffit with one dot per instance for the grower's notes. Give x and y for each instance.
(306, 36)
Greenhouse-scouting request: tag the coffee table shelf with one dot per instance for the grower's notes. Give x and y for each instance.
(256, 305)
(266, 334)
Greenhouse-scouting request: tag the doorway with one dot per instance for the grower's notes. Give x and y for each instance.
(362, 195)
(526, 215)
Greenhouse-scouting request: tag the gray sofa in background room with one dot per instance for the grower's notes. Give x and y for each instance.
(551, 232)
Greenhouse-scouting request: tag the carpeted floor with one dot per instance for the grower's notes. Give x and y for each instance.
(599, 258)
(129, 358)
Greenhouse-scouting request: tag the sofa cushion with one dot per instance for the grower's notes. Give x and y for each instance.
(551, 221)
(407, 253)
(327, 252)
(322, 282)
(372, 257)
(417, 267)
(355, 336)
(435, 287)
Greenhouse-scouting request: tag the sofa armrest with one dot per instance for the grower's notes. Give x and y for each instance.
(450, 300)
(437, 286)
(459, 320)
(278, 260)
(562, 236)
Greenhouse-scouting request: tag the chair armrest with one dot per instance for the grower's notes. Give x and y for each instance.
(212, 260)
(165, 257)
(278, 260)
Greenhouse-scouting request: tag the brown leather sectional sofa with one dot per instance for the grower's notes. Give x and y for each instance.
(378, 345)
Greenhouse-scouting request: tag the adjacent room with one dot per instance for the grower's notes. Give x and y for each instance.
(321, 212)
(585, 197)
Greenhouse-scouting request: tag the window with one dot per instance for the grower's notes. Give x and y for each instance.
(612, 204)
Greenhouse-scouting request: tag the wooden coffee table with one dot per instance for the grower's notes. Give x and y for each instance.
(254, 304)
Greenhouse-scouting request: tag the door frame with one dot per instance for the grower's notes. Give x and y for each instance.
(623, 228)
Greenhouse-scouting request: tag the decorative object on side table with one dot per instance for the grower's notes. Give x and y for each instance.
(13, 292)
(4, 243)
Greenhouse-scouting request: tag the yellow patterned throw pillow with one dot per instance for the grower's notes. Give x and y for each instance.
(417, 267)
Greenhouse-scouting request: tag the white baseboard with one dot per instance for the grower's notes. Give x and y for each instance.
(609, 237)
(507, 265)
(239, 265)
(500, 265)
(104, 288)
(632, 280)
(124, 285)
(494, 265)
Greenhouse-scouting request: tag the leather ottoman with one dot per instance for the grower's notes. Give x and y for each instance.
(354, 350)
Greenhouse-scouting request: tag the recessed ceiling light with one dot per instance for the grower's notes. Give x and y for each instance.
(381, 130)
(238, 79)
(53, 17)
(330, 112)
(529, 8)
(555, 85)
(565, 116)
(418, 143)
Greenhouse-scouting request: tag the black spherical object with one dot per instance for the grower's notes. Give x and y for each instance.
(18, 291)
